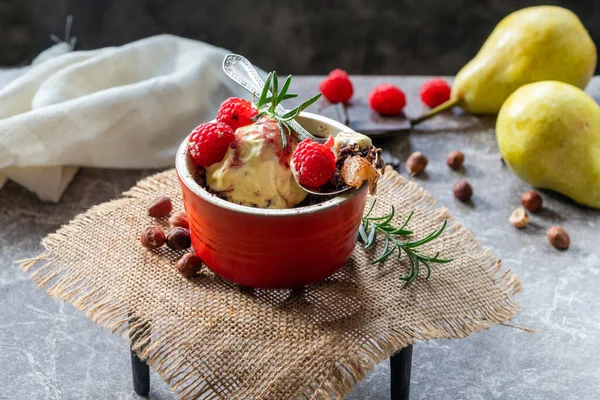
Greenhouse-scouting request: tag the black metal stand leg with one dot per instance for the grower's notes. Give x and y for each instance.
(141, 375)
(139, 368)
(400, 369)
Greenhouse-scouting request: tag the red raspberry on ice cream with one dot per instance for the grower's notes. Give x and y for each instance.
(314, 163)
(236, 112)
(209, 143)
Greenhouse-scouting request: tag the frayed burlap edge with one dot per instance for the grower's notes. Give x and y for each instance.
(174, 369)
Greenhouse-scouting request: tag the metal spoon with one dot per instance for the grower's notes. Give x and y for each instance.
(241, 71)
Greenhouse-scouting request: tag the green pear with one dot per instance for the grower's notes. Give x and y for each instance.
(534, 44)
(549, 135)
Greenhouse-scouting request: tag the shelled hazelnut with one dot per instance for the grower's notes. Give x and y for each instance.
(558, 237)
(519, 218)
(160, 207)
(416, 163)
(532, 201)
(179, 219)
(179, 239)
(463, 190)
(455, 160)
(152, 237)
(189, 265)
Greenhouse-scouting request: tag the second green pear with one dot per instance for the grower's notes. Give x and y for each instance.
(533, 44)
(549, 135)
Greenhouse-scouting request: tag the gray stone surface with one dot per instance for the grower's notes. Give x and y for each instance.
(48, 350)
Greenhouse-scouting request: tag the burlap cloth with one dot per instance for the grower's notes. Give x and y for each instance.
(212, 339)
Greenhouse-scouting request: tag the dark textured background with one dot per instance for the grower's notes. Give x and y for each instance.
(418, 37)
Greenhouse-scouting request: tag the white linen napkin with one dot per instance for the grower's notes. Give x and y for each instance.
(118, 107)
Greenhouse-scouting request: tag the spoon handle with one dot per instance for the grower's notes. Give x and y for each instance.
(241, 71)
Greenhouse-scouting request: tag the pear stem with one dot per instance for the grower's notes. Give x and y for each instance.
(435, 111)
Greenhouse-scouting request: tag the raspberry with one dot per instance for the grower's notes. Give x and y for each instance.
(209, 143)
(337, 87)
(330, 141)
(387, 99)
(435, 92)
(314, 163)
(236, 112)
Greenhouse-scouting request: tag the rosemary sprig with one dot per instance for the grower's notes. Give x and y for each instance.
(267, 104)
(371, 226)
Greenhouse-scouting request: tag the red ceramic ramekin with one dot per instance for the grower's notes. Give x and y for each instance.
(264, 248)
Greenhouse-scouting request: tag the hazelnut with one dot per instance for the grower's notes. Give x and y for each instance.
(189, 265)
(179, 219)
(179, 239)
(416, 163)
(519, 218)
(152, 237)
(558, 237)
(455, 160)
(532, 201)
(463, 190)
(160, 207)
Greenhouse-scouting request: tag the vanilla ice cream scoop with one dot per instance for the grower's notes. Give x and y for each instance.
(256, 171)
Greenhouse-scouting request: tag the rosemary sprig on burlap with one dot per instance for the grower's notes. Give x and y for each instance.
(370, 227)
(267, 104)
